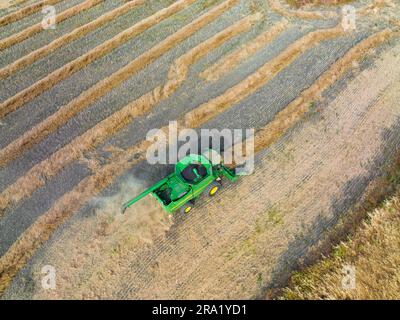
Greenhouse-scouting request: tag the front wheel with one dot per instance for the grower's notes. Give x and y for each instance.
(187, 207)
(213, 188)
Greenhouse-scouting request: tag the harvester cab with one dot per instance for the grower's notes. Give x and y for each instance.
(193, 175)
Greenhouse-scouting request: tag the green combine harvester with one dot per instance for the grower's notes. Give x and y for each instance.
(193, 175)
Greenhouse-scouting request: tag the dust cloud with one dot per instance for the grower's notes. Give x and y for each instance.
(93, 254)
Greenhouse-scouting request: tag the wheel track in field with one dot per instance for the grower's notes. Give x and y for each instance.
(198, 274)
(89, 187)
(32, 30)
(26, 11)
(71, 36)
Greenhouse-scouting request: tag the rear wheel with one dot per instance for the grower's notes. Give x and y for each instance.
(213, 188)
(187, 207)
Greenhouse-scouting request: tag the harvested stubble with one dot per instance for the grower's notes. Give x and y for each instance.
(67, 38)
(39, 232)
(32, 30)
(26, 11)
(74, 66)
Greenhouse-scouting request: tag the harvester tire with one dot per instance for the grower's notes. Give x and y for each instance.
(187, 207)
(213, 188)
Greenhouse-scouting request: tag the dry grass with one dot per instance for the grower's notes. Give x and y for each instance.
(41, 230)
(62, 41)
(332, 252)
(37, 176)
(26, 11)
(296, 110)
(373, 250)
(32, 30)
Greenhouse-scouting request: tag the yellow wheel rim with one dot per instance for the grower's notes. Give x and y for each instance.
(213, 191)
(187, 210)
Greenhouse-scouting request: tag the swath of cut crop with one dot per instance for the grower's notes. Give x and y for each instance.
(69, 110)
(39, 174)
(232, 60)
(258, 79)
(65, 39)
(279, 8)
(101, 50)
(295, 111)
(39, 232)
(30, 31)
(26, 11)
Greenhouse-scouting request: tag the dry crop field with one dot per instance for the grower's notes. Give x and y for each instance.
(77, 101)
